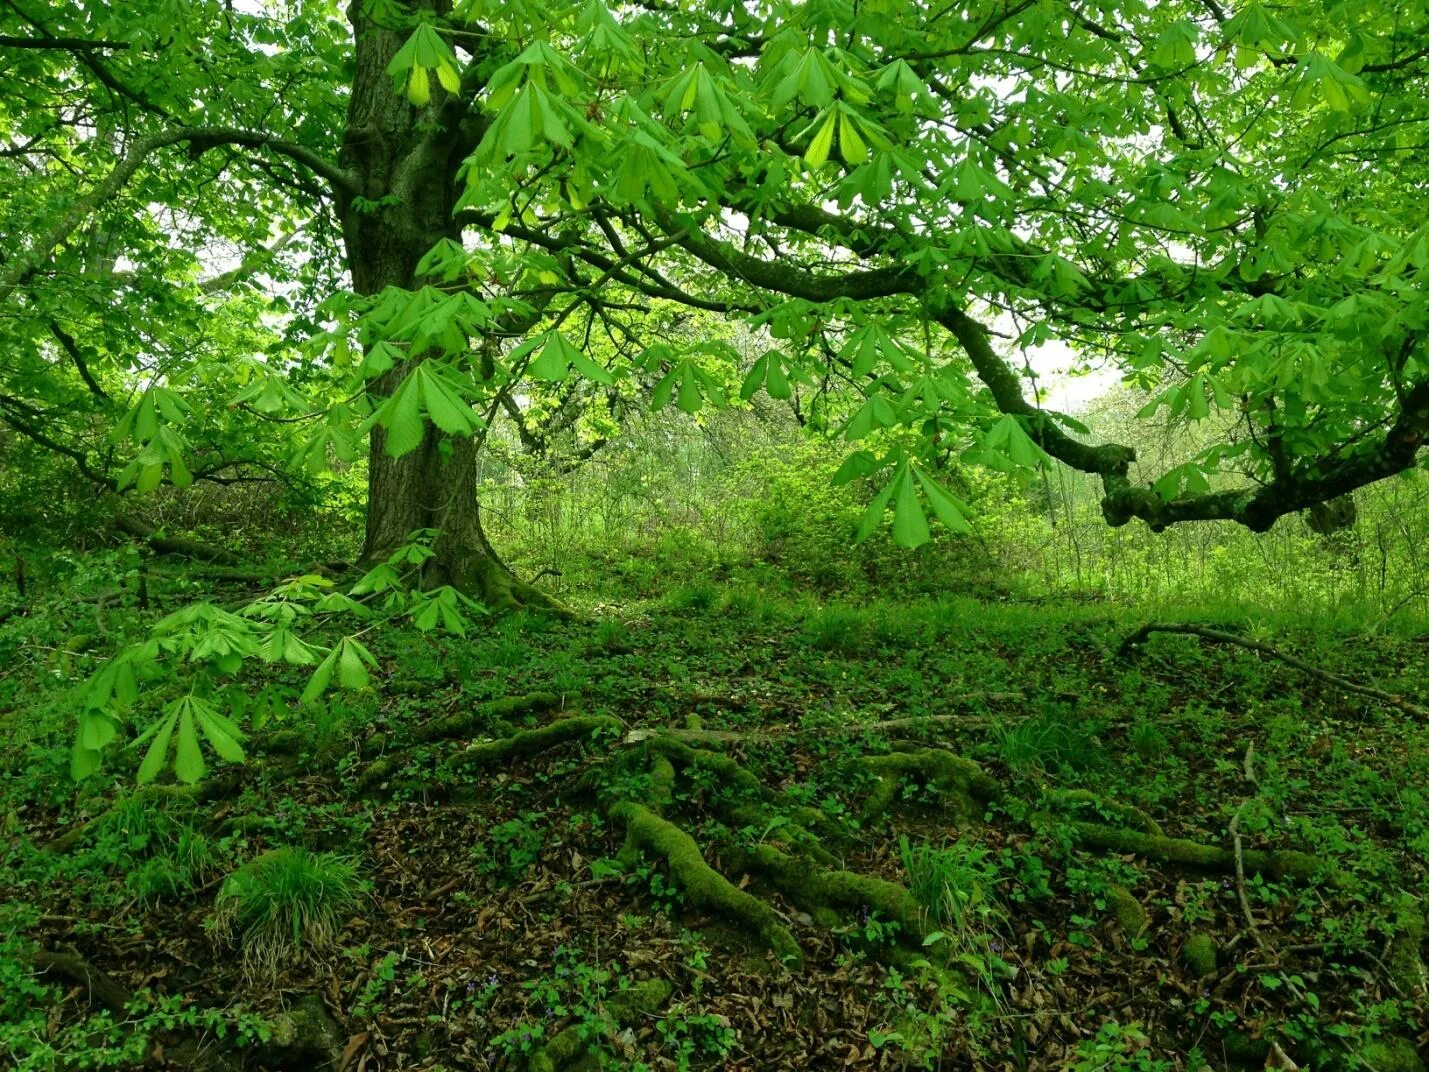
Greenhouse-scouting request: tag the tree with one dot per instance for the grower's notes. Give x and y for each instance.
(1220, 202)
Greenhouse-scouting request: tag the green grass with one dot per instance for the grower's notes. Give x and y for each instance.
(286, 903)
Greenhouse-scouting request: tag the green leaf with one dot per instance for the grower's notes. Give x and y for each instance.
(220, 735)
(874, 514)
(444, 403)
(858, 464)
(689, 399)
(158, 748)
(188, 758)
(910, 527)
(948, 508)
(818, 151)
(352, 665)
(322, 677)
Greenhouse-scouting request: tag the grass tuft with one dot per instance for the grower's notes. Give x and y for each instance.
(285, 904)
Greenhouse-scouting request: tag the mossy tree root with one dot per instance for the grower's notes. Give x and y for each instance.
(817, 890)
(1080, 801)
(726, 768)
(625, 1007)
(209, 791)
(531, 742)
(1406, 963)
(1276, 864)
(481, 754)
(703, 886)
(484, 716)
(961, 784)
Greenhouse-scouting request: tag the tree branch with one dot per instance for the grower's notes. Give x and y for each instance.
(67, 44)
(200, 139)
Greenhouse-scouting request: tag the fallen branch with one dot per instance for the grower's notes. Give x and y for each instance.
(1207, 633)
(176, 545)
(98, 986)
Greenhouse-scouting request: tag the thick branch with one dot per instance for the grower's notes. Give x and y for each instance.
(67, 44)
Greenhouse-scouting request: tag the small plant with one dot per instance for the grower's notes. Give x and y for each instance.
(953, 883)
(696, 1036)
(285, 903)
(1118, 1048)
(511, 849)
(1053, 740)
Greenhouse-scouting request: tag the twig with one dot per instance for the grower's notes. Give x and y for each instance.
(1206, 633)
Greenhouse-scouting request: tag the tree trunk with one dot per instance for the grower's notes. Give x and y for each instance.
(407, 159)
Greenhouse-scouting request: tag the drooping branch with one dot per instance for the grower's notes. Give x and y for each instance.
(1257, 508)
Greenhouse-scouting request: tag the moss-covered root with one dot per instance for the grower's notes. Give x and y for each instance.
(820, 891)
(625, 1007)
(1130, 914)
(728, 770)
(484, 716)
(1391, 1055)
(1406, 963)
(703, 886)
(1200, 955)
(1277, 864)
(960, 783)
(531, 742)
(1083, 801)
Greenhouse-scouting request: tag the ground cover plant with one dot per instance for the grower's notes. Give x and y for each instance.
(702, 837)
(830, 534)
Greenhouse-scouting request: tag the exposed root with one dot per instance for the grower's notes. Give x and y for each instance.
(1406, 964)
(1079, 801)
(1200, 955)
(727, 769)
(698, 735)
(703, 886)
(212, 789)
(625, 1008)
(304, 1037)
(816, 889)
(1277, 864)
(485, 716)
(98, 987)
(961, 784)
(1130, 914)
(501, 592)
(531, 742)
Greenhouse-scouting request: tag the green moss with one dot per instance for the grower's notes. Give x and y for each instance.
(1241, 1049)
(1130, 915)
(703, 886)
(1391, 1055)
(960, 783)
(531, 742)
(484, 717)
(1199, 954)
(1074, 801)
(814, 888)
(662, 783)
(728, 770)
(1278, 864)
(1406, 965)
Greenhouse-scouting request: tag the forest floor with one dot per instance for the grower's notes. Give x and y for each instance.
(995, 840)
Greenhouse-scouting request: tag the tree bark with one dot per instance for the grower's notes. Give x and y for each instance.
(405, 161)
